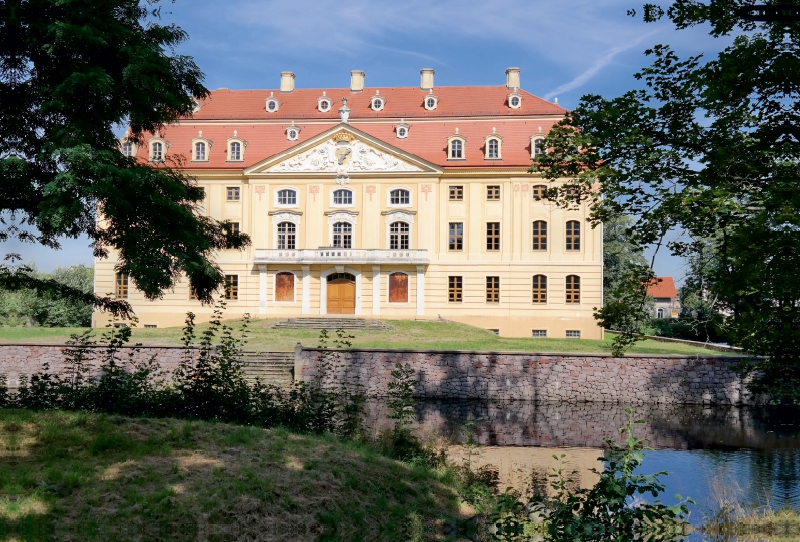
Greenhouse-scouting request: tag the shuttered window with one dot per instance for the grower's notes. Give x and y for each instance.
(398, 288)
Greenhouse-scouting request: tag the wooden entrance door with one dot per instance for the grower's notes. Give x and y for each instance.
(342, 296)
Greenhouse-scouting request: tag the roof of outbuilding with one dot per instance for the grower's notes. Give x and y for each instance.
(664, 288)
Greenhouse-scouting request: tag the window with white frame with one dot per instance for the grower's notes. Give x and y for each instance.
(287, 236)
(272, 104)
(287, 197)
(456, 149)
(430, 102)
(157, 152)
(493, 148)
(293, 132)
(342, 235)
(399, 196)
(378, 102)
(200, 151)
(127, 149)
(324, 105)
(515, 102)
(235, 154)
(399, 236)
(343, 197)
(401, 130)
(538, 146)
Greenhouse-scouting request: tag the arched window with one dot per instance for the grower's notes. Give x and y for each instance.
(493, 149)
(573, 235)
(399, 236)
(398, 288)
(284, 287)
(199, 151)
(287, 196)
(342, 197)
(539, 289)
(343, 235)
(573, 289)
(660, 313)
(539, 235)
(538, 147)
(236, 151)
(157, 152)
(456, 149)
(400, 196)
(287, 236)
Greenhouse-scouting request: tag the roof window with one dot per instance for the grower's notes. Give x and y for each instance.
(401, 130)
(515, 100)
(272, 103)
(378, 101)
(293, 132)
(431, 101)
(323, 103)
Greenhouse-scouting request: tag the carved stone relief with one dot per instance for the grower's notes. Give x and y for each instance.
(333, 157)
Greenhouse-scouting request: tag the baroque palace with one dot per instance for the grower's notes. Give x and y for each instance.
(410, 202)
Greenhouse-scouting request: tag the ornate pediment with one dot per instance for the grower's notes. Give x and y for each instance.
(343, 151)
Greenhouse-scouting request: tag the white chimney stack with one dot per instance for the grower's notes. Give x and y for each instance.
(512, 78)
(287, 81)
(426, 79)
(356, 81)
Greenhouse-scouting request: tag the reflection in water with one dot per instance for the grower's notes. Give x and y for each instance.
(757, 448)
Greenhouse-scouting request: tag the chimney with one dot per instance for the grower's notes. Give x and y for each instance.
(512, 78)
(426, 79)
(356, 81)
(287, 81)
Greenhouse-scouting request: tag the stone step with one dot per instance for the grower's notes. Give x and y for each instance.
(332, 324)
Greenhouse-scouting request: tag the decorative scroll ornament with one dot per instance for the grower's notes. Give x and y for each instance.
(370, 190)
(260, 189)
(426, 189)
(313, 190)
(342, 153)
(342, 216)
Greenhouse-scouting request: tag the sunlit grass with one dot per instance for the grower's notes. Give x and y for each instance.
(408, 334)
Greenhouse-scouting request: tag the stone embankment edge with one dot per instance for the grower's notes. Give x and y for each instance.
(698, 344)
(546, 377)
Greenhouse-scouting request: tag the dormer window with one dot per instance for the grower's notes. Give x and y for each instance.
(401, 130)
(293, 132)
(127, 149)
(378, 102)
(431, 102)
(157, 151)
(515, 100)
(200, 151)
(537, 146)
(493, 146)
(323, 103)
(236, 147)
(456, 147)
(272, 103)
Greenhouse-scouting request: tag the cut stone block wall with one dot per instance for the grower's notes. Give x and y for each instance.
(509, 376)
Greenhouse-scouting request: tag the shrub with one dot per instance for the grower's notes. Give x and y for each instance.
(688, 329)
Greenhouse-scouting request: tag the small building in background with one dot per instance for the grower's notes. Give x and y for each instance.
(666, 298)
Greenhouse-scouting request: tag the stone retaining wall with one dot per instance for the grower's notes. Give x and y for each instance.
(27, 359)
(573, 378)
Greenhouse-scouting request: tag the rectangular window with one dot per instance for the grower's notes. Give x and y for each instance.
(151, 326)
(231, 286)
(573, 334)
(454, 289)
(456, 241)
(192, 293)
(573, 235)
(493, 193)
(456, 193)
(538, 191)
(495, 331)
(539, 333)
(121, 289)
(493, 289)
(233, 227)
(233, 193)
(492, 236)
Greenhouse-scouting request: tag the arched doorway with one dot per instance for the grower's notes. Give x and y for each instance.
(341, 293)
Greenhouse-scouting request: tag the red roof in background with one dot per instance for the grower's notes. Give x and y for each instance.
(405, 102)
(427, 135)
(665, 288)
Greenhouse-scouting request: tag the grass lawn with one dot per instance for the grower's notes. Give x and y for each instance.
(408, 334)
(79, 477)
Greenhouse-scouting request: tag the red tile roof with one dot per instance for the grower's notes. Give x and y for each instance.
(475, 111)
(665, 288)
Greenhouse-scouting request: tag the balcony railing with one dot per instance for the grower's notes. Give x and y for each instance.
(341, 255)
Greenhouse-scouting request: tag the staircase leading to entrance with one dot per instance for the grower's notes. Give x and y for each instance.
(275, 368)
(361, 324)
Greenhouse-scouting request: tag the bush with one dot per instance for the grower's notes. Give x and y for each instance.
(688, 329)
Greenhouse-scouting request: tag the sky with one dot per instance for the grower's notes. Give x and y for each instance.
(565, 49)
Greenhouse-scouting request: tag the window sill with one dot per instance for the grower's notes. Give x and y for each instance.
(493, 159)
(234, 161)
(456, 159)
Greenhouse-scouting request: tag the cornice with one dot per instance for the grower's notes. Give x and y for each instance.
(381, 120)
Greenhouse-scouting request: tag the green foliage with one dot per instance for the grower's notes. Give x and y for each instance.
(688, 329)
(27, 306)
(630, 311)
(611, 510)
(620, 255)
(70, 74)
(707, 148)
(401, 396)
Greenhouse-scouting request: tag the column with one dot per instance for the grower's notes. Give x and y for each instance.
(262, 289)
(376, 289)
(420, 289)
(306, 289)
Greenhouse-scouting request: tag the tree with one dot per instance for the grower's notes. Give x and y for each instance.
(709, 148)
(70, 71)
(620, 254)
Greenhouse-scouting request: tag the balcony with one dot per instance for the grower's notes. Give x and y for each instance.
(342, 255)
